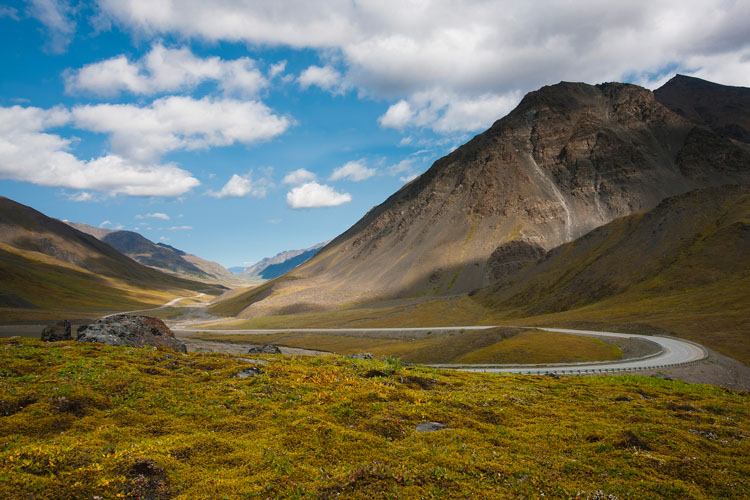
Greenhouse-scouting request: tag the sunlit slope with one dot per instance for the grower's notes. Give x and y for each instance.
(47, 265)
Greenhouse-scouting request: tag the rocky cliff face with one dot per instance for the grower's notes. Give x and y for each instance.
(568, 159)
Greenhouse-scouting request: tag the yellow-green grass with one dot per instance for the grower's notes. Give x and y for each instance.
(496, 345)
(535, 346)
(84, 421)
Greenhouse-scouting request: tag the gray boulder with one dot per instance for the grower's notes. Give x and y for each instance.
(57, 332)
(431, 427)
(264, 349)
(132, 331)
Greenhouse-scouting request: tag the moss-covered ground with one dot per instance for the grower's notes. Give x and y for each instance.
(91, 421)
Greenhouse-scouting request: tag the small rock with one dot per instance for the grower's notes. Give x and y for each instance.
(431, 427)
(57, 332)
(361, 355)
(249, 372)
(264, 349)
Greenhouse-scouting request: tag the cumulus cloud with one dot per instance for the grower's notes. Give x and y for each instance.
(480, 55)
(30, 154)
(314, 195)
(166, 70)
(242, 185)
(179, 123)
(447, 113)
(325, 77)
(299, 176)
(354, 171)
(56, 16)
(105, 223)
(408, 178)
(179, 228)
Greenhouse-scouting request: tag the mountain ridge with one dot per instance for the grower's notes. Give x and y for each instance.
(162, 257)
(569, 158)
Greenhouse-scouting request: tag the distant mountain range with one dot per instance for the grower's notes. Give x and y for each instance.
(46, 264)
(570, 158)
(272, 267)
(162, 257)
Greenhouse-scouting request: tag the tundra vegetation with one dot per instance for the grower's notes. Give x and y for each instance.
(88, 420)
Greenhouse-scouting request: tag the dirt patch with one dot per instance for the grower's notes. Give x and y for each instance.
(716, 370)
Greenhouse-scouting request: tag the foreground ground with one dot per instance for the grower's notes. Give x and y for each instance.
(79, 421)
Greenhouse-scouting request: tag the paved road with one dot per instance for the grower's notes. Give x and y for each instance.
(171, 303)
(674, 352)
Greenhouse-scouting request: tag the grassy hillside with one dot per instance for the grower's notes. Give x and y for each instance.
(80, 421)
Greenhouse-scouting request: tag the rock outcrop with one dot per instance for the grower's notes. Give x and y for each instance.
(132, 331)
(58, 332)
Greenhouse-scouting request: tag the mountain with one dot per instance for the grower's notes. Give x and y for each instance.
(571, 157)
(48, 265)
(271, 267)
(723, 109)
(162, 257)
(682, 266)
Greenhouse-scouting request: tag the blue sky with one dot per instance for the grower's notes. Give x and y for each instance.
(236, 130)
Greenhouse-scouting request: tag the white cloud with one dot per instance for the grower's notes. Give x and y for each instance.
(325, 77)
(180, 123)
(397, 116)
(166, 70)
(475, 53)
(153, 215)
(299, 176)
(242, 185)
(56, 15)
(277, 69)
(81, 196)
(314, 195)
(180, 228)
(354, 171)
(29, 154)
(446, 113)
(105, 223)
(408, 178)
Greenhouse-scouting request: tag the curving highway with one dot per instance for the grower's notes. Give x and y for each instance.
(673, 351)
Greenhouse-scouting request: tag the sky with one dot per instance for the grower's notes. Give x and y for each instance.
(235, 130)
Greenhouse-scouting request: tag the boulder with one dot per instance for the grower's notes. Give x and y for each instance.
(431, 427)
(264, 349)
(57, 332)
(132, 331)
